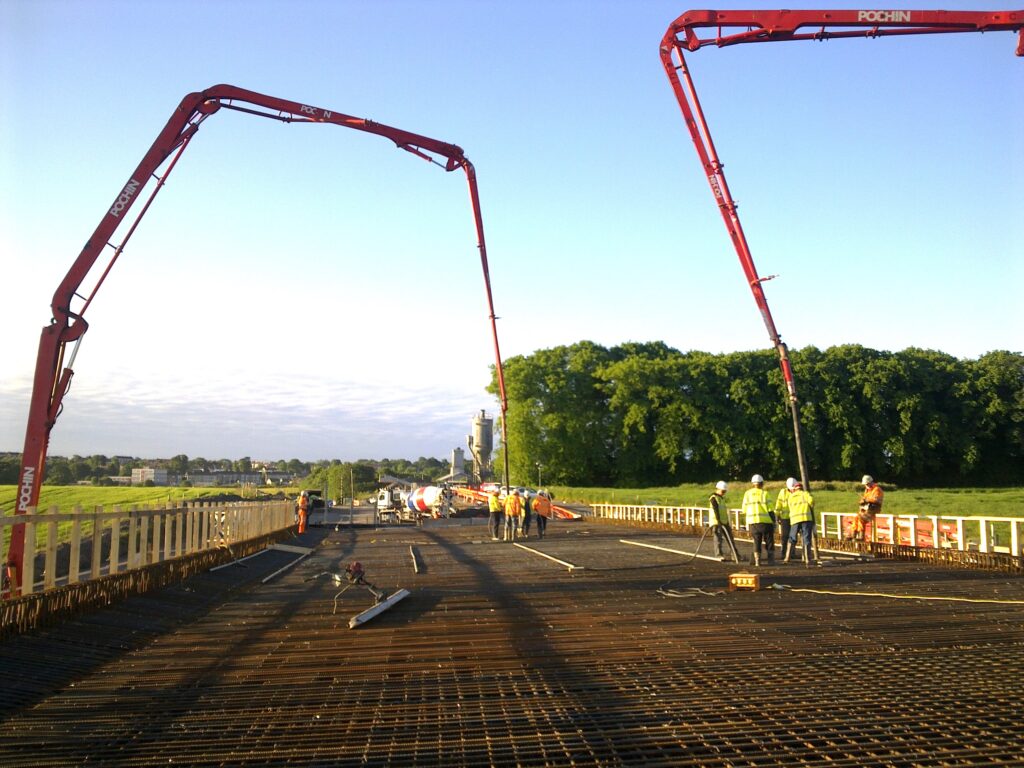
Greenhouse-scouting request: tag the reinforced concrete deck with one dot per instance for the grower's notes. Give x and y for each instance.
(502, 657)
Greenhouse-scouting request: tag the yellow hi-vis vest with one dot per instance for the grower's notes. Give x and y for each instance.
(782, 504)
(801, 507)
(755, 506)
(719, 512)
(493, 503)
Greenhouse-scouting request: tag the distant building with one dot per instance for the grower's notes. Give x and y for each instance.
(273, 477)
(219, 477)
(143, 475)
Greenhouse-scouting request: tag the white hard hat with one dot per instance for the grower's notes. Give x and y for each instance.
(867, 479)
(721, 485)
(790, 482)
(756, 479)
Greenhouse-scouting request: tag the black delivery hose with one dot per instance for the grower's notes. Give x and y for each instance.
(732, 544)
(699, 543)
(666, 590)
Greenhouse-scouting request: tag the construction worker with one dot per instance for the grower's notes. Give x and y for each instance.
(759, 519)
(782, 514)
(801, 519)
(542, 508)
(303, 511)
(870, 505)
(496, 514)
(720, 518)
(447, 498)
(527, 512)
(513, 509)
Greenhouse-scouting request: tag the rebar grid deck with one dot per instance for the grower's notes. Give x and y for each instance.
(501, 657)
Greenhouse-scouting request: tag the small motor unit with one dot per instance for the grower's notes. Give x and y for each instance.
(744, 581)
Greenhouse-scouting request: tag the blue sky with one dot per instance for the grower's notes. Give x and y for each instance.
(312, 292)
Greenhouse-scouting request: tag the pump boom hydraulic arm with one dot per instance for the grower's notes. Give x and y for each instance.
(53, 374)
(780, 25)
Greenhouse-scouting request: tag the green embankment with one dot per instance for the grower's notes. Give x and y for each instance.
(828, 497)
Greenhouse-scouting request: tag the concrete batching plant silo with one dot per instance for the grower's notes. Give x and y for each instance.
(481, 444)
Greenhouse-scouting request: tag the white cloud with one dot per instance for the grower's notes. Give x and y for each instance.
(281, 418)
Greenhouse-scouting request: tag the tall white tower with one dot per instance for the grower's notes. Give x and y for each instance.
(481, 444)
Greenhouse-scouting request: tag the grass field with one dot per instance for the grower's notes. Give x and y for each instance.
(67, 496)
(828, 497)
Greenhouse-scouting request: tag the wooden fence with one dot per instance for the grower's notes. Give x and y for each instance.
(63, 548)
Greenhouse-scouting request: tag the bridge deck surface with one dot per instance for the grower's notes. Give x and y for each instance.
(502, 657)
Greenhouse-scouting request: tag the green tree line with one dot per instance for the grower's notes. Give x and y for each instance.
(644, 414)
(337, 476)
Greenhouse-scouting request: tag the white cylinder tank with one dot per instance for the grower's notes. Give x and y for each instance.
(482, 440)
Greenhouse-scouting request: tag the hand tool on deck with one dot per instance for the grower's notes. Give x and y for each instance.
(355, 575)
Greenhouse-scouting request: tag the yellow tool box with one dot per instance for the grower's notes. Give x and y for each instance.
(750, 581)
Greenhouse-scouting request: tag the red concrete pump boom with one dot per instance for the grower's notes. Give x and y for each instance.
(772, 26)
(53, 374)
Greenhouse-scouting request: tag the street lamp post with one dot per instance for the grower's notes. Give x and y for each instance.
(538, 475)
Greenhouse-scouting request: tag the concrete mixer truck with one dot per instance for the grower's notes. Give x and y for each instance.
(400, 505)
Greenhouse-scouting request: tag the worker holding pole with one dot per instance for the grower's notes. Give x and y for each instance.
(801, 518)
(782, 514)
(759, 519)
(720, 521)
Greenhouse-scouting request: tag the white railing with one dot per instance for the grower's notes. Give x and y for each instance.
(981, 534)
(647, 513)
(123, 539)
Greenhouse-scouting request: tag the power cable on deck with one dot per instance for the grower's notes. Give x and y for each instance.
(891, 596)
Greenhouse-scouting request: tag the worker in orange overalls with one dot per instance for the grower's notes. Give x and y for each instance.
(870, 505)
(303, 511)
(513, 509)
(542, 506)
